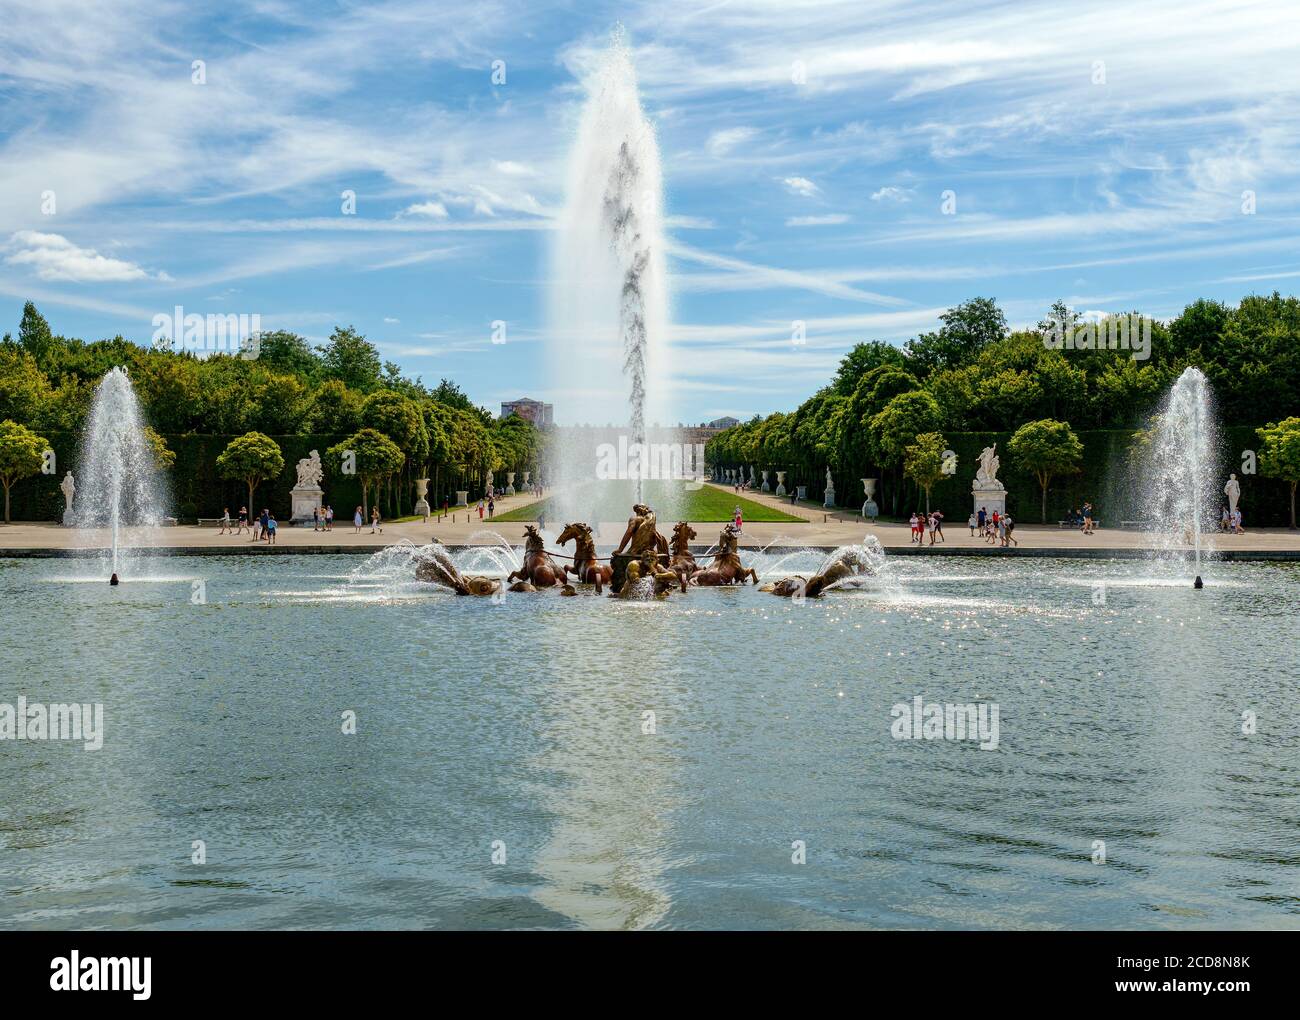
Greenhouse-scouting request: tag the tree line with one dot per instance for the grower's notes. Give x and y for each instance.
(888, 408)
(396, 428)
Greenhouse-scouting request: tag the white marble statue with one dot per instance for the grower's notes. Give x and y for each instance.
(1233, 491)
(69, 487)
(310, 472)
(986, 476)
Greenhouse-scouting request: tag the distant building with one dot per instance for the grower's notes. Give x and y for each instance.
(723, 423)
(532, 410)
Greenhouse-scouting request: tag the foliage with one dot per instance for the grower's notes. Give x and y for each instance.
(1279, 456)
(923, 462)
(21, 455)
(1046, 449)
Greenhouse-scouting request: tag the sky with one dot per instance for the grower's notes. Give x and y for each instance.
(856, 167)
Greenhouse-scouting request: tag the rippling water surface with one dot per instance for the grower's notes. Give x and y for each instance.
(523, 724)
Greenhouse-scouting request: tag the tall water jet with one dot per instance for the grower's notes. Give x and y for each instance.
(120, 485)
(608, 299)
(1180, 468)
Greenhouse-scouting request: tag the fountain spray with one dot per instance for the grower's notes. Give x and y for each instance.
(120, 485)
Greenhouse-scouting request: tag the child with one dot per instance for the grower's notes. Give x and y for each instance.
(270, 530)
(972, 521)
(357, 521)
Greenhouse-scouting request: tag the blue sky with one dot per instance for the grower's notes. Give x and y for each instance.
(1098, 152)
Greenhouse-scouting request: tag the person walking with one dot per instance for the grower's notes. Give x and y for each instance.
(982, 516)
(243, 520)
(492, 508)
(480, 509)
(315, 518)
(375, 521)
(1009, 524)
(1087, 518)
(737, 519)
(357, 521)
(225, 521)
(270, 529)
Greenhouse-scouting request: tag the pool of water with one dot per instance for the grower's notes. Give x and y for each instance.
(504, 771)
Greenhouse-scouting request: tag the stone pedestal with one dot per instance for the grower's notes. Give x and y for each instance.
(69, 519)
(510, 483)
(462, 497)
(780, 483)
(990, 499)
(765, 487)
(803, 492)
(828, 502)
(303, 500)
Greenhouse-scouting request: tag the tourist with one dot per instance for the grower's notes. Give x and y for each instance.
(736, 519)
(1008, 526)
(911, 522)
(243, 519)
(357, 521)
(1225, 520)
(257, 529)
(266, 523)
(1087, 518)
(1237, 529)
(329, 518)
(446, 506)
(315, 518)
(492, 508)
(225, 521)
(480, 509)
(376, 522)
(270, 529)
(973, 522)
(982, 517)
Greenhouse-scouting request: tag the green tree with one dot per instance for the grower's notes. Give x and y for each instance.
(371, 456)
(22, 452)
(351, 358)
(287, 352)
(34, 334)
(1046, 449)
(251, 458)
(964, 332)
(923, 462)
(860, 360)
(1279, 456)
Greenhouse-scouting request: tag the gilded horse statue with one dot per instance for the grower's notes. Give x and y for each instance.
(681, 560)
(842, 564)
(585, 565)
(726, 567)
(438, 568)
(539, 569)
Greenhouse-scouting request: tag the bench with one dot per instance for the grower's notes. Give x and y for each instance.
(1096, 523)
(209, 522)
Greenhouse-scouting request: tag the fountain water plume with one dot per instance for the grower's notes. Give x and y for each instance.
(1180, 468)
(609, 276)
(119, 485)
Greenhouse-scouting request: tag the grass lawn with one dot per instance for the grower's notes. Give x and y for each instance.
(672, 501)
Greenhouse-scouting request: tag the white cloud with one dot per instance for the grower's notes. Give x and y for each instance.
(889, 193)
(54, 257)
(391, 321)
(830, 219)
(801, 186)
(722, 142)
(430, 208)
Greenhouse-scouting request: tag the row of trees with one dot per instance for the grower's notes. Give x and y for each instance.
(975, 375)
(340, 388)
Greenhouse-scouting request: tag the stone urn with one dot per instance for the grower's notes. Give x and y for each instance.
(780, 483)
(510, 483)
(527, 483)
(765, 487)
(422, 498)
(869, 509)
